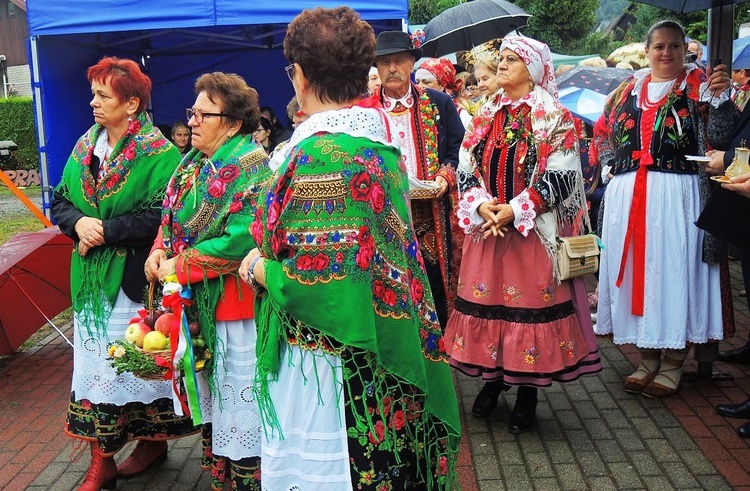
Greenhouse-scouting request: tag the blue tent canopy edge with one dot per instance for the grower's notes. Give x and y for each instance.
(239, 36)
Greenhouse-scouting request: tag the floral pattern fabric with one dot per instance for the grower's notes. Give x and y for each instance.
(112, 426)
(344, 263)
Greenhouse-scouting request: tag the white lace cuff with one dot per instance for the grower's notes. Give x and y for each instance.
(468, 217)
(524, 212)
(605, 173)
(715, 101)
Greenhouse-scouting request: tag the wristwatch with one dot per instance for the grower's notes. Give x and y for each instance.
(250, 273)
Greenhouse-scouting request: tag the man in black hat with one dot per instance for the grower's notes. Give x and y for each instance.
(426, 125)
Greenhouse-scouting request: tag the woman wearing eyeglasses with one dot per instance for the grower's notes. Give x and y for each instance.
(210, 202)
(515, 323)
(108, 202)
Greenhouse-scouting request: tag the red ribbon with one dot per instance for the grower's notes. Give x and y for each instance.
(637, 220)
(176, 302)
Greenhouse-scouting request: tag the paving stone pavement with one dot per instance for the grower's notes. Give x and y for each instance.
(590, 434)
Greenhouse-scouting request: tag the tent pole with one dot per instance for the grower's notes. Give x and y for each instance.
(40, 311)
(39, 121)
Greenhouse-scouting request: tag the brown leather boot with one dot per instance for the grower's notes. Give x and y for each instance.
(102, 473)
(145, 454)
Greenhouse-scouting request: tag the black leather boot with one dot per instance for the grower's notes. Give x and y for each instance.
(741, 410)
(486, 400)
(524, 412)
(743, 430)
(739, 355)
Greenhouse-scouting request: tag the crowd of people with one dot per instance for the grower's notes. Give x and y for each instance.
(334, 302)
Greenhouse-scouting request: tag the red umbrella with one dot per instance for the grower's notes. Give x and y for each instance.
(34, 284)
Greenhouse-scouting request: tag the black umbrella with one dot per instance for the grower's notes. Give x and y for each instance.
(682, 6)
(470, 24)
(598, 79)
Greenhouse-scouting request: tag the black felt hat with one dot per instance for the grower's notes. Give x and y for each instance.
(390, 42)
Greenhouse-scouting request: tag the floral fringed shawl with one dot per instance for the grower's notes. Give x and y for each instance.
(207, 211)
(556, 180)
(344, 267)
(137, 171)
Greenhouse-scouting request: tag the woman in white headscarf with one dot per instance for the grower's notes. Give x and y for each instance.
(520, 180)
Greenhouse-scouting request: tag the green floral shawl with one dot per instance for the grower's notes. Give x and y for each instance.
(345, 263)
(138, 169)
(207, 212)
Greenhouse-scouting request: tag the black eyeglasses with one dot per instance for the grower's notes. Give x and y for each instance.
(200, 115)
(289, 69)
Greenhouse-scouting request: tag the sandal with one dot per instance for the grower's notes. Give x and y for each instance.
(655, 390)
(638, 385)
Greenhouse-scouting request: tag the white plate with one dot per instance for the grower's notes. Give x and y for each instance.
(698, 158)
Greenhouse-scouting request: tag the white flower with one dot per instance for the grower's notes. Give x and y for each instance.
(119, 352)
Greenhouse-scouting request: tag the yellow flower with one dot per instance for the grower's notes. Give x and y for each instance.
(509, 136)
(119, 352)
(111, 351)
(199, 365)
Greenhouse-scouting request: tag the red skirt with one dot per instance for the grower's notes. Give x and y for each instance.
(513, 321)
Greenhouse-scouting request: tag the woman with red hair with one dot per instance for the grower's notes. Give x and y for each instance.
(109, 203)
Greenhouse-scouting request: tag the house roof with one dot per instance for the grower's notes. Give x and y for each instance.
(21, 4)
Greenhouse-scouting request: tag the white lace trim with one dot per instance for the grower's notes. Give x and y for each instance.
(468, 217)
(93, 376)
(354, 121)
(236, 425)
(524, 211)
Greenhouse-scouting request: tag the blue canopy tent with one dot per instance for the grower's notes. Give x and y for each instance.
(175, 43)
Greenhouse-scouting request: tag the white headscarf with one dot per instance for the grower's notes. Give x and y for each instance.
(538, 60)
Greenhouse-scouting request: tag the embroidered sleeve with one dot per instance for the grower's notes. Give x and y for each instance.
(468, 216)
(525, 211)
(448, 172)
(554, 187)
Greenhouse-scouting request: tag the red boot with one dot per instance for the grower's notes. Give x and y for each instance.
(102, 473)
(145, 454)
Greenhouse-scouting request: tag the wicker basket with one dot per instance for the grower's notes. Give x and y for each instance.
(429, 192)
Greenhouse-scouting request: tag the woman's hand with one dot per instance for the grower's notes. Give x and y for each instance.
(153, 262)
(166, 268)
(740, 185)
(90, 231)
(715, 166)
(496, 216)
(443, 186)
(82, 249)
(260, 270)
(718, 79)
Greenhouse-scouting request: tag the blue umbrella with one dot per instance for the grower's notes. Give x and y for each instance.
(585, 104)
(742, 59)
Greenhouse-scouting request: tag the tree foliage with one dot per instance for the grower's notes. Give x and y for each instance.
(422, 11)
(562, 24)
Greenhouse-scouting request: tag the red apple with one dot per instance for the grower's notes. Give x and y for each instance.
(195, 328)
(164, 323)
(135, 333)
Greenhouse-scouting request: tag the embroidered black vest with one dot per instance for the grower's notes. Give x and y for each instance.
(674, 137)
